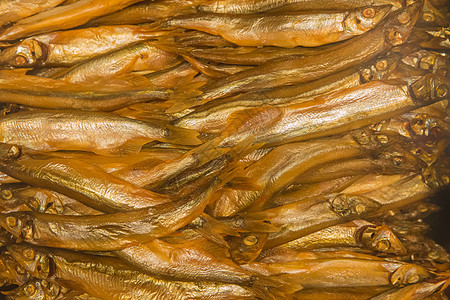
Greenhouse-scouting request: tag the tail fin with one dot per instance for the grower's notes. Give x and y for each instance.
(184, 97)
(207, 151)
(214, 230)
(182, 136)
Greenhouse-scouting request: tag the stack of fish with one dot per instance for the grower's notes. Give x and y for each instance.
(222, 149)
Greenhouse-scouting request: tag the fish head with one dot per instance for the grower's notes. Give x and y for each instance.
(401, 22)
(380, 69)
(409, 274)
(31, 290)
(33, 259)
(45, 202)
(9, 152)
(382, 239)
(353, 205)
(247, 247)
(360, 20)
(19, 224)
(12, 270)
(25, 54)
(431, 16)
(430, 88)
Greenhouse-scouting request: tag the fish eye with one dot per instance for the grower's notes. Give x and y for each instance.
(404, 17)
(383, 245)
(6, 194)
(11, 221)
(20, 60)
(381, 65)
(29, 289)
(441, 91)
(428, 17)
(28, 254)
(369, 12)
(250, 240)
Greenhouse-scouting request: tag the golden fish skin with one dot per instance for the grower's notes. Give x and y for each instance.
(39, 289)
(352, 293)
(188, 260)
(308, 191)
(62, 17)
(212, 116)
(346, 272)
(137, 57)
(252, 6)
(415, 291)
(281, 166)
(153, 177)
(34, 91)
(392, 31)
(317, 214)
(288, 30)
(12, 11)
(108, 277)
(334, 113)
(84, 182)
(66, 48)
(147, 11)
(358, 233)
(389, 162)
(110, 231)
(46, 130)
(402, 192)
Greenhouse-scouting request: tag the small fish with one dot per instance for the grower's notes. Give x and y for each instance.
(66, 48)
(84, 182)
(357, 233)
(50, 130)
(415, 291)
(285, 30)
(212, 116)
(352, 272)
(253, 6)
(137, 57)
(62, 17)
(108, 277)
(12, 11)
(17, 87)
(147, 11)
(279, 168)
(336, 112)
(392, 31)
(119, 230)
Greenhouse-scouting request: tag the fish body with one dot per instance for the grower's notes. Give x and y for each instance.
(285, 30)
(98, 132)
(108, 277)
(392, 31)
(253, 6)
(66, 48)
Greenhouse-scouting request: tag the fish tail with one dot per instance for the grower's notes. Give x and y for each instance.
(184, 97)
(182, 136)
(214, 230)
(279, 286)
(207, 152)
(245, 147)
